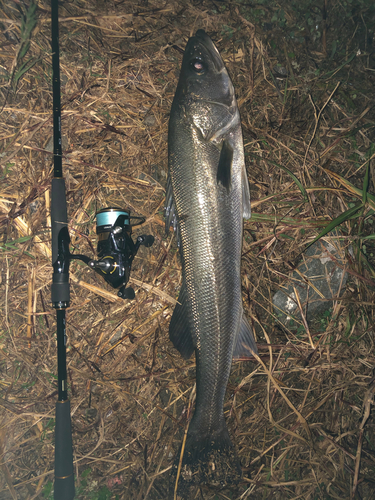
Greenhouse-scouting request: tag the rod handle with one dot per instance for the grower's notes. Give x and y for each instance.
(59, 213)
(60, 243)
(64, 477)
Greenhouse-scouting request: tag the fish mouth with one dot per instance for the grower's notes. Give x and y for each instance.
(201, 45)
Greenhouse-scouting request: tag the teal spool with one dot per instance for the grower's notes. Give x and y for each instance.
(107, 217)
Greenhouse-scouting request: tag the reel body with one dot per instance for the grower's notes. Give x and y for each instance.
(115, 250)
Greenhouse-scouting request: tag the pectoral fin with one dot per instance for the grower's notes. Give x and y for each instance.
(224, 169)
(245, 342)
(179, 328)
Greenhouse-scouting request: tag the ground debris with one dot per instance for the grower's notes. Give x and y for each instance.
(309, 138)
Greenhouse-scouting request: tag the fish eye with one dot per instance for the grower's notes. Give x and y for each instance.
(198, 65)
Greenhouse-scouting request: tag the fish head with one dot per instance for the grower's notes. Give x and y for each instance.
(205, 90)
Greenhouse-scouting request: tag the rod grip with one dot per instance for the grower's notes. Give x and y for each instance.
(59, 213)
(64, 478)
(60, 242)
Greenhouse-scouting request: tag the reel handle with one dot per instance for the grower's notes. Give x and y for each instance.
(145, 239)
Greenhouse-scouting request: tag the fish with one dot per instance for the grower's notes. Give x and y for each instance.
(207, 198)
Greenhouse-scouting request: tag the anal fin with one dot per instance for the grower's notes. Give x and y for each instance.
(245, 345)
(179, 328)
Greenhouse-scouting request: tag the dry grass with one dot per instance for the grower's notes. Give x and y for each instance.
(300, 415)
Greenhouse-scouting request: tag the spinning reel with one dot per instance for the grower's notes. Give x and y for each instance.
(116, 249)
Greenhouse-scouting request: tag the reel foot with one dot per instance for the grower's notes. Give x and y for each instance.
(126, 293)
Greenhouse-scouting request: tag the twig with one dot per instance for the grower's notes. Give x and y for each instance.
(368, 401)
(191, 399)
(317, 119)
(30, 317)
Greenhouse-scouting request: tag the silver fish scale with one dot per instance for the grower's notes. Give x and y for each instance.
(210, 221)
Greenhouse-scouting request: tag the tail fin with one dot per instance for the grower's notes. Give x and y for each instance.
(207, 459)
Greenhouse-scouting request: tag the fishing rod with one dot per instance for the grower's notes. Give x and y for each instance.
(60, 292)
(115, 250)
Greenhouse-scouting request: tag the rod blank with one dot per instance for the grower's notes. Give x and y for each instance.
(64, 477)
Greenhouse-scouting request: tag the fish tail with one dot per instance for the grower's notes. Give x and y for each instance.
(207, 459)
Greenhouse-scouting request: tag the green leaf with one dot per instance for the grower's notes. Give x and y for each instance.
(349, 186)
(24, 50)
(295, 179)
(365, 184)
(86, 472)
(13, 244)
(24, 68)
(334, 48)
(287, 236)
(336, 222)
(47, 489)
(330, 73)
